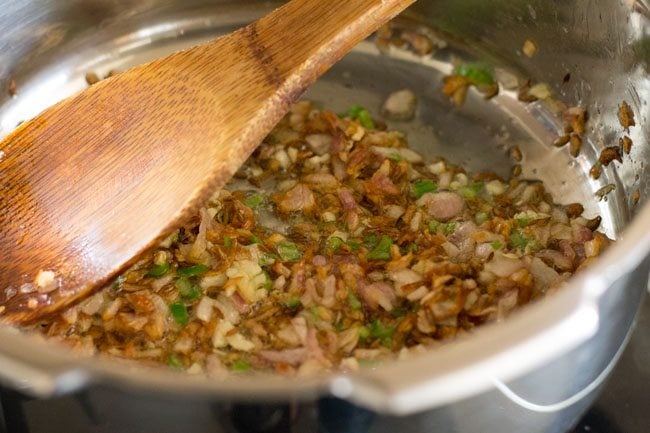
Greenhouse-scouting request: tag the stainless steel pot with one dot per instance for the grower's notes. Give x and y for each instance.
(537, 371)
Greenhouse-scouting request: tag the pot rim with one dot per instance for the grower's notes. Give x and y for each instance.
(529, 338)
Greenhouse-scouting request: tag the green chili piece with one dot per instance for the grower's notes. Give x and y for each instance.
(534, 245)
(434, 226)
(268, 282)
(481, 217)
(174, 362)
(158, 271)
(267, 259)
(187, 289)
(192, 271)
(370, 241)
(518, 240)
(477, 73)
(522, 222)
(449, 228)
(496, 245)
(293, 303)
(411, 248)
(383, 333)
(357, 112)
(253, 201)
(240, 365)
(333, 244)
(353, 245)
(364, 332)
(353, 301)
(255, 240)
(365, 119)
(288, 252)
(422, 187)
(227, 241)
(471, 191)
(382, 250)
(394, 156)
(179, 313)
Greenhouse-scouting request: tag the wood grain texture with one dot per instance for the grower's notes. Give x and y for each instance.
(101, 177)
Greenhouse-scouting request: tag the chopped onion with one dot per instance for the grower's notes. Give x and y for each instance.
(93, 304)
(543, 275)
(398, 153)
(442, 206)
(293, 357)
(400, 105)
(319, 143)
(504, 265)
(404, 277)
(227, 307)
(204, 309)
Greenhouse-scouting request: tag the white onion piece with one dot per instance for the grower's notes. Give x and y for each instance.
(394, 211)
(404, 277)
(159, 283)
(238, 342)
(204, 309)
(227, 308)
(543, 275)
(444, 180)
(378, 294)
(289, 356)
(557, 259)
(183, 345)
(319, 143)
(484, 251)
(418, 293)
(329, 290)
(400, 105)
(442, 206)
(200, 243)
(506, 304)
(93, 304)
(300, 327)
(452, 250)
(503, 265)
(213, 280)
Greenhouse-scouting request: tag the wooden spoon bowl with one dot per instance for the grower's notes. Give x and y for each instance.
(98, 179)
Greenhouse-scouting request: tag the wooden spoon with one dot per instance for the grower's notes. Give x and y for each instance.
(101, 177)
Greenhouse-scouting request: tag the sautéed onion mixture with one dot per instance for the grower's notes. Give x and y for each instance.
(333, 247)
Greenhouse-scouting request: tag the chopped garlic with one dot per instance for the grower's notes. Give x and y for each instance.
(46, 281)
(283, 158)
(531, 215)
(237, 341)
(460, 181)
(495, 187)
(293, 154)
(195, 369)
(204, 309)
(437, 167)
(213, 280)
(247, 278)
(529, 48)
(219, 336)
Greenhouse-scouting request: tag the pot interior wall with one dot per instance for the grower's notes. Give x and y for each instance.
(49, 61)
(49, 46)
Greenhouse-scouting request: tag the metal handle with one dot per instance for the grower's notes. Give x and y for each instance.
(36, 369)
